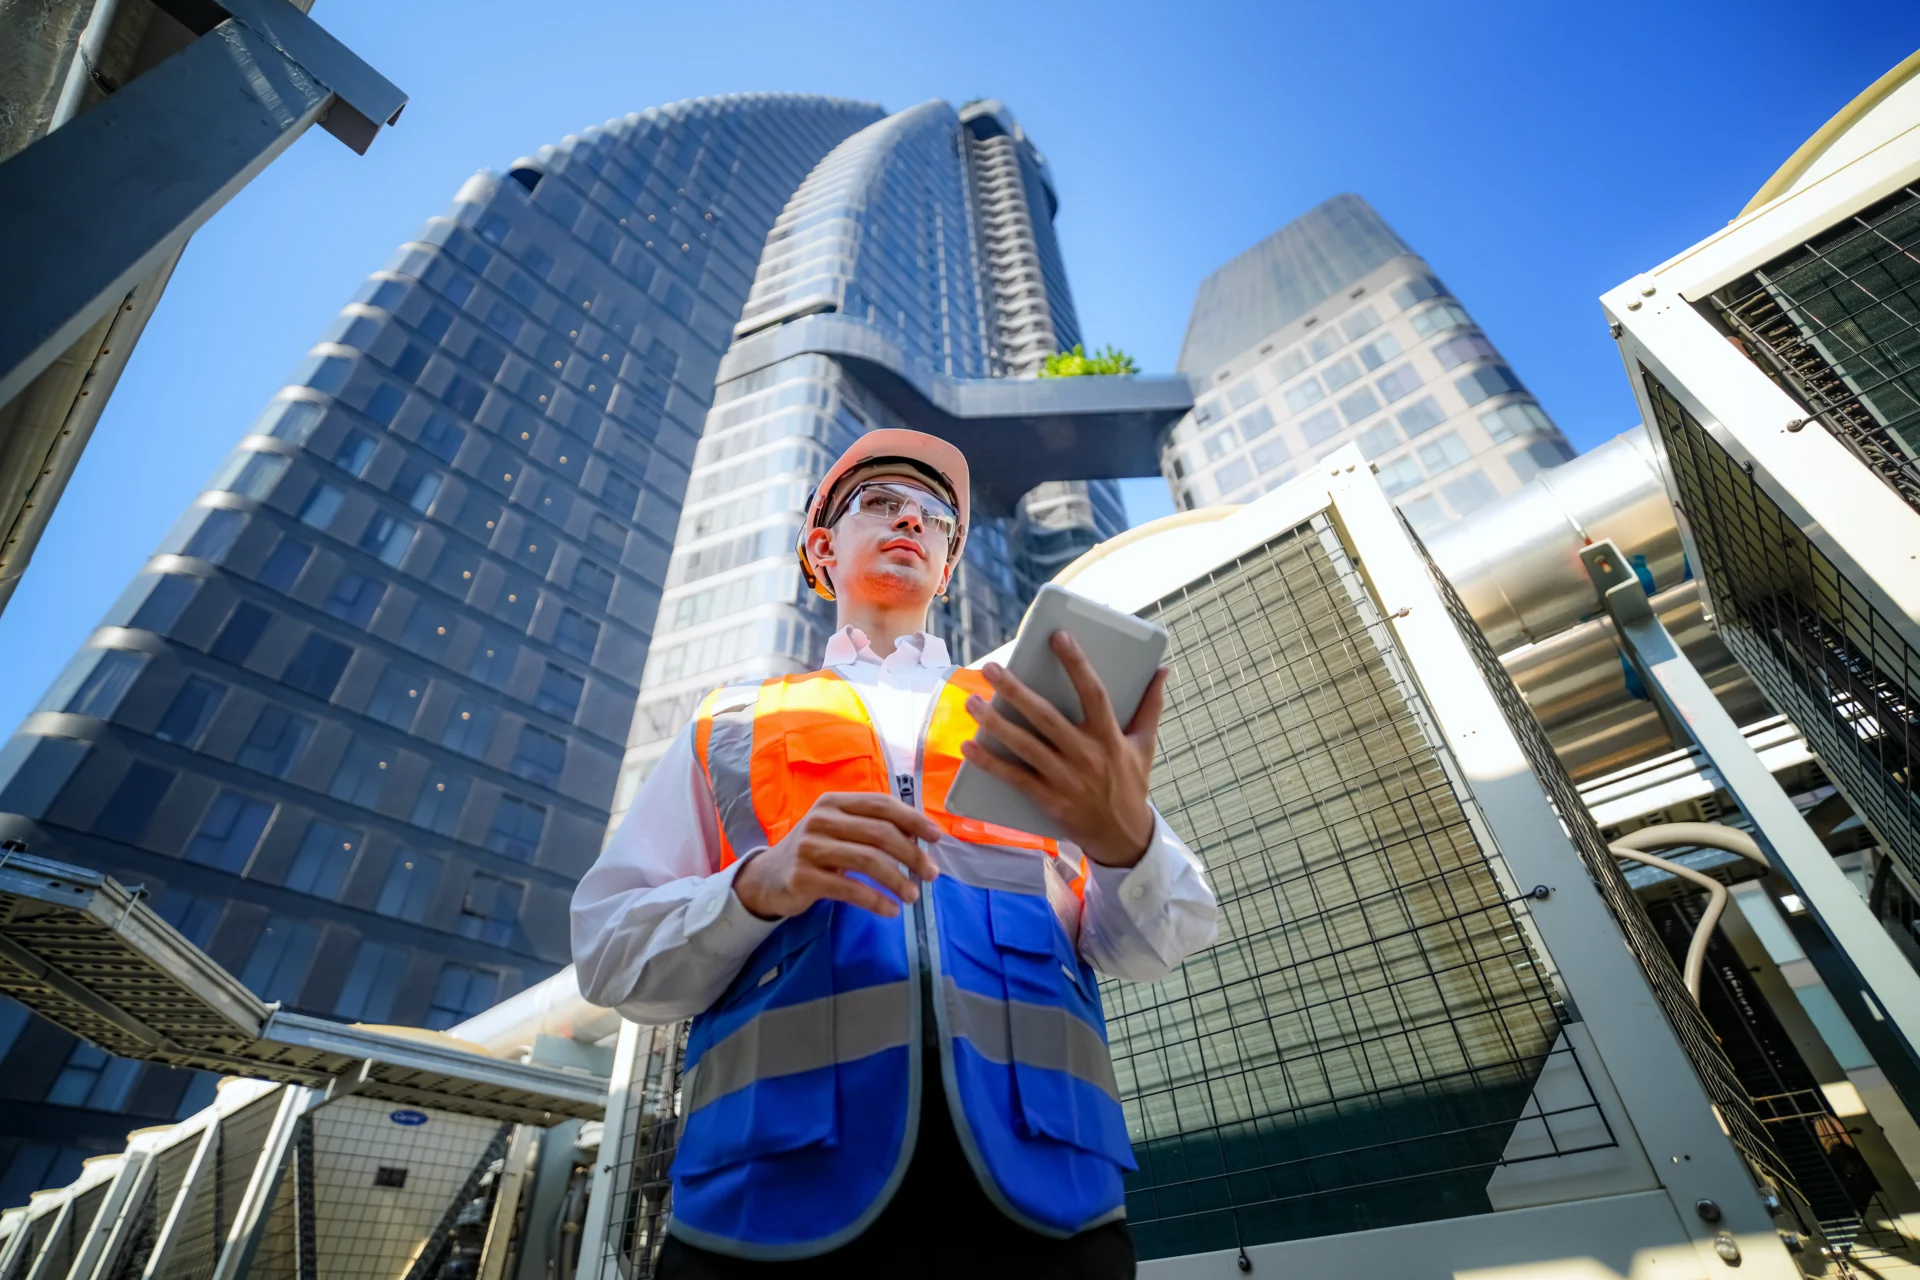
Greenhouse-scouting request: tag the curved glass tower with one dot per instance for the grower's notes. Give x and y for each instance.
(926, 239)
(356, 726)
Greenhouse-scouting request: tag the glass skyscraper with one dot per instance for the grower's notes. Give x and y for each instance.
(927, 236)
(1333, 330)
(356, 726)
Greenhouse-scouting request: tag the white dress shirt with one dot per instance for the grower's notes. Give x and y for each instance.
(659, 934)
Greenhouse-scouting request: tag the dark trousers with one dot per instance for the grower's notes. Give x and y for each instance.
(939, 1226)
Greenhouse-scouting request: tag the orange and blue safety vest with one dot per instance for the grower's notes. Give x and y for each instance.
(803, 1082)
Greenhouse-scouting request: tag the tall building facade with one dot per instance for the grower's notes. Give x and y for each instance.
(357, 724)
(930, 234)
(1333, 330)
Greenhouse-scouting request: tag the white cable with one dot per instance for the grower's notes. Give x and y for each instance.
(1711, 835)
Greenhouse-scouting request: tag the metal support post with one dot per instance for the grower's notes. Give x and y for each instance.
(119, 1216)
(42, 1263)
(204, 1158)
(102, 202)
(620, 1103)
(1863, 967)
(250, 1217)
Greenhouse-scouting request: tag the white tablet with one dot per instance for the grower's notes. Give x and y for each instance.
(1125, 652)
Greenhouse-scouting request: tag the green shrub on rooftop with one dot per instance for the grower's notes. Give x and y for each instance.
(1107, 361)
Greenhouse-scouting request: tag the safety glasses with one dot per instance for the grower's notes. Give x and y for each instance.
(888, 499)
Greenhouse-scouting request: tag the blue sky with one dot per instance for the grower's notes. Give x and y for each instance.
(1536, 154)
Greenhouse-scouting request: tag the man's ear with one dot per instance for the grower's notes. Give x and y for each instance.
(820, 548)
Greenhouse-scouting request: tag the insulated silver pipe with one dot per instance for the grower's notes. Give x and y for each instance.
(552, 1007)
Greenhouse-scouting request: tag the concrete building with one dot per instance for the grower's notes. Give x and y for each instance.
(1333, 330)
(355, 727)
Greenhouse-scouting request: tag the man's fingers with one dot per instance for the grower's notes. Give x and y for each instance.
(1043, 715)
(1145, 725)
(1096, 709)
(821, 883)
(1038, 754)
(876, 833)
(844, 855)
(875, 804)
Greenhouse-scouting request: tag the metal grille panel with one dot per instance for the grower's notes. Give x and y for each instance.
(1814, 643)
(1838, 319)
(1696, 1037)
(1355, 1050)
(642, 1156)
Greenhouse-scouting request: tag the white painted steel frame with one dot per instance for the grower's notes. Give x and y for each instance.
(621, 1099)
(119, 1215)
(1639, 1050)
(256, 1202)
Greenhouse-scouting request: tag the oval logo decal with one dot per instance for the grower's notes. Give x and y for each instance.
(409, 1118)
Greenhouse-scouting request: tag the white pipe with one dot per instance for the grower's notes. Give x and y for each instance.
(553, 1006)
(1712, 836)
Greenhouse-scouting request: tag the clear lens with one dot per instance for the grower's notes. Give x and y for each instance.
(886, 501)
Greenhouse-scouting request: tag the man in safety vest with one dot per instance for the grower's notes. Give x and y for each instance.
(897, 1062)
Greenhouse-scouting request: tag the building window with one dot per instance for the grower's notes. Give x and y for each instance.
(411, 881)
(383, 406)
(372, 983)
(442, 796)
(428, 631)
(1341, 373)
(607, 535)
(283, 566)
(1358, 405)
(243, 630)
(1515, 419)
(194, 916)
(321, 864)
(415, 485)
(1469, 493)
(317, 668)
(354, 452)
(95, 683)
(277, 969)
(1379, 351)
(470, 728)
(1206, 410)
(559, 692)
(229, 833)
(1302, 395)
(134, 800)
(362, 772)
(516, 829)
(1290, 363)
(539, 757)
(355, 598)
(493, 660)
(491, 910)
(1398, 383)
(1423, 414)
(1360, 320)
(1255, 423)
(1219, 444)
(592, 582)
(1243, 393)
(1400, 475)
(275, 742)
(1234, 475)
(251, 475)
(1443, 453)
(322, 505)
(1270, 455)
(1324, 425)
(1455, 352)
(289, 420)
(1440, 318)
(442, 438)
(94, 1078)
(1378, 439)
(214, 537)
(396, 698)
(461, 992)
(1493, 380)
(1324, 344)
(576, 635)
(1416, 290)
(387, 538)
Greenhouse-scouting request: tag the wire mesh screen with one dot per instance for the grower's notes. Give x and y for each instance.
(1723, 1087)
(60, 1253)
(1813, 642)
(642, 1156)
(1838, 319)
(1356, 1049)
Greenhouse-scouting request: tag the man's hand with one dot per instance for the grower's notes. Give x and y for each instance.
(1091, 778)
(847, 831)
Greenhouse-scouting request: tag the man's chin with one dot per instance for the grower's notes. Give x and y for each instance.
(897, 582)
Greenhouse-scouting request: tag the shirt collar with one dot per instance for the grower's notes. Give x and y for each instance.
(848, 646)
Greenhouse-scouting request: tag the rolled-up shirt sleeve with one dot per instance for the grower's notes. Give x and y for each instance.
(1142, 921)
(657, 931)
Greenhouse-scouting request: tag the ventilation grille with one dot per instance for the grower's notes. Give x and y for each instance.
(1838, 320)
(1813, 642)
(1356, 1049)
(1723, 1087)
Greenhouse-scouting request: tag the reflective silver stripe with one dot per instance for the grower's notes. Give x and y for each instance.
(803, 1037)
(730, 767)
(991, 866)
(1031, 1034)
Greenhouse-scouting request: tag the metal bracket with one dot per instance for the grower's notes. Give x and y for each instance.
(1624, 597)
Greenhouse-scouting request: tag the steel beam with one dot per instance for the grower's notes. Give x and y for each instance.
(101, 203)
(1872, 979)
(256, 1202)
(168, 1236)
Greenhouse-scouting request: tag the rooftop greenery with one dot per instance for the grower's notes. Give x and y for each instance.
(1107, 361)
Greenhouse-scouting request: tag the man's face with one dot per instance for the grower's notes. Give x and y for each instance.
(897, 561)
